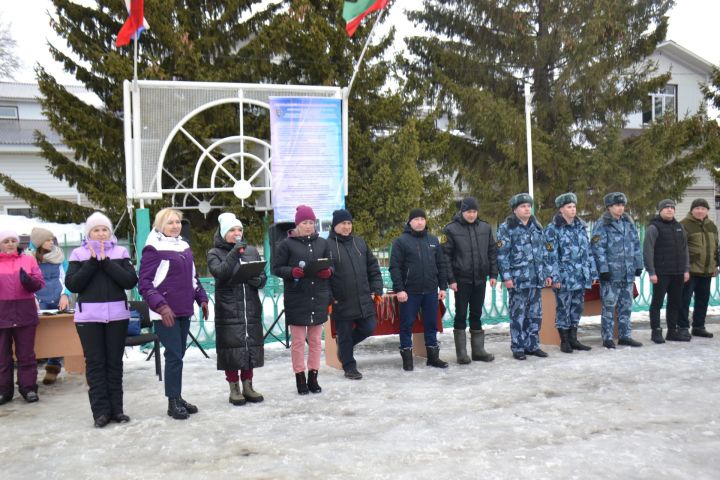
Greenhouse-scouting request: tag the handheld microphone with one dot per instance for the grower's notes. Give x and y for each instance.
(240, 243)
(301, 264)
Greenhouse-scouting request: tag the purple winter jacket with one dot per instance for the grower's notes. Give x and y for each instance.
(168, 276)
(100, 284)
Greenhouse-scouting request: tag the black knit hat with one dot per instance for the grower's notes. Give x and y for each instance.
(416, 212)
(699, 202)
(469, 203)
(615, 198)
(340, 216)
(665, 204)
(564, 199)
(519, 199)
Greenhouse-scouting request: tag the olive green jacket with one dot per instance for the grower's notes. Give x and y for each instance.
(702, 244)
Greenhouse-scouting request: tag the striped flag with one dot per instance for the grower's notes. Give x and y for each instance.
(134, 24)
(355, 10)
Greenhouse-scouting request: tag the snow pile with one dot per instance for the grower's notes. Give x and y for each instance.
(65, 233)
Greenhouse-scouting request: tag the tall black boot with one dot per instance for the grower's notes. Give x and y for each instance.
(565, 346)
(433, 357)
(477, 343)
(176, 410)
(313, 384)
(407, 359)
(656, 335)
(461, 346)
(302, 387)
(574, 341)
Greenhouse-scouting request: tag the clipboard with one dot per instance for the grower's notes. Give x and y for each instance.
(317, 265)
(251, 269)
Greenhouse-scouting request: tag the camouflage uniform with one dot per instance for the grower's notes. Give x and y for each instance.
(523, 258)
(616, 247)
(574, 266)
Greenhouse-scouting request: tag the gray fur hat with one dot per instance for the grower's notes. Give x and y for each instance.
(614, 198)
(565, 198)
(519, 199)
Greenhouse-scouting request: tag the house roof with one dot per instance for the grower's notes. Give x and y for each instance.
(682, 54)
(22, 132)
(31, 91)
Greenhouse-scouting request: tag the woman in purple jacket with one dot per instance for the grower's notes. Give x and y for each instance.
(20, 277)
(100, 272)
(169, 284)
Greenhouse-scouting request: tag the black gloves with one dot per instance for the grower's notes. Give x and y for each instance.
(255, 282)
(605, 276)
(638, 272)
(29, 283)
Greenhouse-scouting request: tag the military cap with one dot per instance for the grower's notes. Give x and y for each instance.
(519, 199)
(614, 198)
(565, 198)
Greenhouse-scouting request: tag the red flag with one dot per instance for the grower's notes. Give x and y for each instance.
(133, 25)
(355, 10)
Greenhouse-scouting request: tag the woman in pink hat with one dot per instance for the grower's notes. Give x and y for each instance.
(20, 278)
(306, 297)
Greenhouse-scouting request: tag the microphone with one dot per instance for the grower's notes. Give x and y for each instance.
(240, 243)
(301, 265)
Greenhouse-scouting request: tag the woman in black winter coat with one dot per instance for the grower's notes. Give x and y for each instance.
(238, 310)
(306, 297)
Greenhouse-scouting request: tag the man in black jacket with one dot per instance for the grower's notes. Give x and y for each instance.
(417, 269)
(472, 257)
(357, 280)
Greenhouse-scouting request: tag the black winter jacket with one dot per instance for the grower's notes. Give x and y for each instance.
(357, 276)
(471, 251)
(307, 299)
(417, 263)
(238, 310)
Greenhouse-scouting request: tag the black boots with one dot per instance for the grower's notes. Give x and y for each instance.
(176, 409)
(31, 396)
(536, 353)
(407, 359)
(608, 344)
(574, 341)
(477, 342)
(313, 385)
(674, 335)
(701, 332)
(461, 346)
(302, 387)
(565, 346)
(102, 421)
(628, 341)
(519, 355)
(685, 333)
(656, 335)
(433, 357)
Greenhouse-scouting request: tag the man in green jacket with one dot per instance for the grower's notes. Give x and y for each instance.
(702, 235)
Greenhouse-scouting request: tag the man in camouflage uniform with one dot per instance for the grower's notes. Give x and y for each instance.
(574, 267)
(524, 269)
(616, 247)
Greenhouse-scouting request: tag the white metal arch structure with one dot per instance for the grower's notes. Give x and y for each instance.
(156, 113)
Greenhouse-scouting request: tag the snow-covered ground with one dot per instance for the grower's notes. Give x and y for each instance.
(649, 412)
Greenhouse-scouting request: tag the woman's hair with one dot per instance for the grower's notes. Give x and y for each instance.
(40, 253)
(163, 216)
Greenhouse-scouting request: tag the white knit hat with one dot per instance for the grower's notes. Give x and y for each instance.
(97, 219)
(228, 221)
(8, 234)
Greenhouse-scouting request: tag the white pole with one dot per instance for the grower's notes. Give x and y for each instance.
(362, 54)
(528, 108)
(135, 57)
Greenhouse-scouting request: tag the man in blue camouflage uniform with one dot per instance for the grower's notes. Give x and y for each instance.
(616, 247)
(574, 267)
(524, 268)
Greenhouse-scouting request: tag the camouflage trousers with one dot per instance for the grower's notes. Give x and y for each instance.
(620, 295)
(570, 305)
(525, 318)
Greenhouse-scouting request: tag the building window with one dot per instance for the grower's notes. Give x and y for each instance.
(8, 113)
(21, 211)
(660, 103)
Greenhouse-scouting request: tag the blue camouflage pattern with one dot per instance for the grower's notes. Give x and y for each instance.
(620, 295)
(570, 304)
(572, 260)
(525, 318)
(522, 253)
(616, 247)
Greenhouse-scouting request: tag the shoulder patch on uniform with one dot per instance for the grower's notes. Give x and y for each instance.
(500, 243)
(595, 238)
(549, 246)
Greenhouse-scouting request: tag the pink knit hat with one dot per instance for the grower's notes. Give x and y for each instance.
(302, 213)
(8, 234)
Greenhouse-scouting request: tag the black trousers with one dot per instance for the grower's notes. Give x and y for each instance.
(474, 296)
(700, 286)
(103, 346)
(349, 334)
(672, 285)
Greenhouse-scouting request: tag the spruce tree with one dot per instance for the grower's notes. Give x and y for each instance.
(586, 61)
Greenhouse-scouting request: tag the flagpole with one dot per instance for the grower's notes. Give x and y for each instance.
(135, 57)
(362, 54)
(528, 129)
